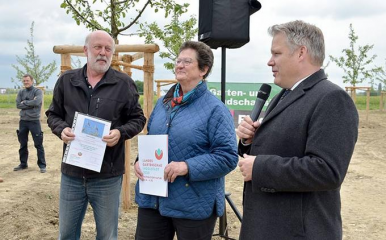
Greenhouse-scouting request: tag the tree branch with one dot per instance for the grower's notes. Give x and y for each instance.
(80, 16)
(136, 19)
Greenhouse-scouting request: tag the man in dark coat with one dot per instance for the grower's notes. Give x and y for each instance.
(296, 157)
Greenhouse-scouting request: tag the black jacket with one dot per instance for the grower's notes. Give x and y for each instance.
(115, 99)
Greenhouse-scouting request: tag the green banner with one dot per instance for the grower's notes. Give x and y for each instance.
(241, 96)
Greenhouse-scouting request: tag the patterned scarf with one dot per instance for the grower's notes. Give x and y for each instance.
(180, 99)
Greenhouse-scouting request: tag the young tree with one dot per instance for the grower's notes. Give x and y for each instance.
(324, 67)
(172, 36)
(356, 63)
(111, 15)
(380, 76)
(31, 64)
(76, 63)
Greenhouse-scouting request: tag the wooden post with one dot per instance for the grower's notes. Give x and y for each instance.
(66, 62)
(127, 69)
(146, 48)
(354, 94)
(148, 85)
(367, 103)
(158, 89)
(381, 108)
(126, 199)
(42, 109)
(165, 83)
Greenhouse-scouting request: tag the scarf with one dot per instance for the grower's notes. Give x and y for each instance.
(180, 99)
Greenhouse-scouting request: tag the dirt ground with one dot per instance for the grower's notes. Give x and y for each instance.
(29, 199)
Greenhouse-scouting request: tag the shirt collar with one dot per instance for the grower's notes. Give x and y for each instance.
(298, 82)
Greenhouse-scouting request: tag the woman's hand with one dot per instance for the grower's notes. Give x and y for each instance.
(175, 169)
(137, 171)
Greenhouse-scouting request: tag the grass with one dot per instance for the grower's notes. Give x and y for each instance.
(374, 102)
(9, 101)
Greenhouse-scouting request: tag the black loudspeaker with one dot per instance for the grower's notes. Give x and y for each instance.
(225, 23)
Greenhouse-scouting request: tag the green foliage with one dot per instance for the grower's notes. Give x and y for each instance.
(141, 100)
(380, 76)
(9, 100)
(172, 35)
(325, 67)
(355, 64)
(361, 102)
(139, 86)
(115, 16)
(31, 64)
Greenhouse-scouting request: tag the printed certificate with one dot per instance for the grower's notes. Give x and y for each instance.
(153, 158)
(87, 149)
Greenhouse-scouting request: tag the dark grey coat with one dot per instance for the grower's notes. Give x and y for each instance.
(303, 148)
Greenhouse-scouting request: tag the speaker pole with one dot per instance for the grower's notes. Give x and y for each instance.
(223, 71)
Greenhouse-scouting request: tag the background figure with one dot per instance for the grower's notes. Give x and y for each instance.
(29, 101)
(296, 159)
(202, 150)
(100, 91)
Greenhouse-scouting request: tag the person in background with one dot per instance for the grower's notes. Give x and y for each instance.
(296, 159)
(100, 91)
(202, 150)
(29, 101)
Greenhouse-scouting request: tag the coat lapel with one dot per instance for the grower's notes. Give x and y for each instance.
(273, 109)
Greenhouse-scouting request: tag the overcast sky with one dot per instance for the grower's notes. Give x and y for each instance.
(246, 64)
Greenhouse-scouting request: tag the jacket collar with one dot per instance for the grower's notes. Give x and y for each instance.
(200, 90)
(296, 94)
(78, 79)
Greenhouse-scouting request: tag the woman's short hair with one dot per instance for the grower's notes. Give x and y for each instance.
(203, 52)
(300, 33)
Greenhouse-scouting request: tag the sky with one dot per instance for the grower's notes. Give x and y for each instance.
(246, 64)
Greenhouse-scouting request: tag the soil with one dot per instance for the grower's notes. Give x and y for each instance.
(29, 199)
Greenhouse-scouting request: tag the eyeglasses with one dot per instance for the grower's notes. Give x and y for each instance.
(184, 61)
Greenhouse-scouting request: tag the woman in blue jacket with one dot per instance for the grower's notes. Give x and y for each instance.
(202, 150)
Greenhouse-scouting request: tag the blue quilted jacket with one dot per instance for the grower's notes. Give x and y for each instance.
(202, 134)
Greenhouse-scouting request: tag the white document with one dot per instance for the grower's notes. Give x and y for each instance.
(87, 149)
(153, 158)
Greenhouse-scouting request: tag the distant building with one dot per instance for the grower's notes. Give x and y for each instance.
(3, 90)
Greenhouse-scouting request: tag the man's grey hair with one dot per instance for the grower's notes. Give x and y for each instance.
(299, 34)
(87, 40)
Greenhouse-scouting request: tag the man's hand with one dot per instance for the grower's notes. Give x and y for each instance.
(174, 169)
(246, 130)
(137, 171)
(246, 166)
(113, 137)
(67, 135)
